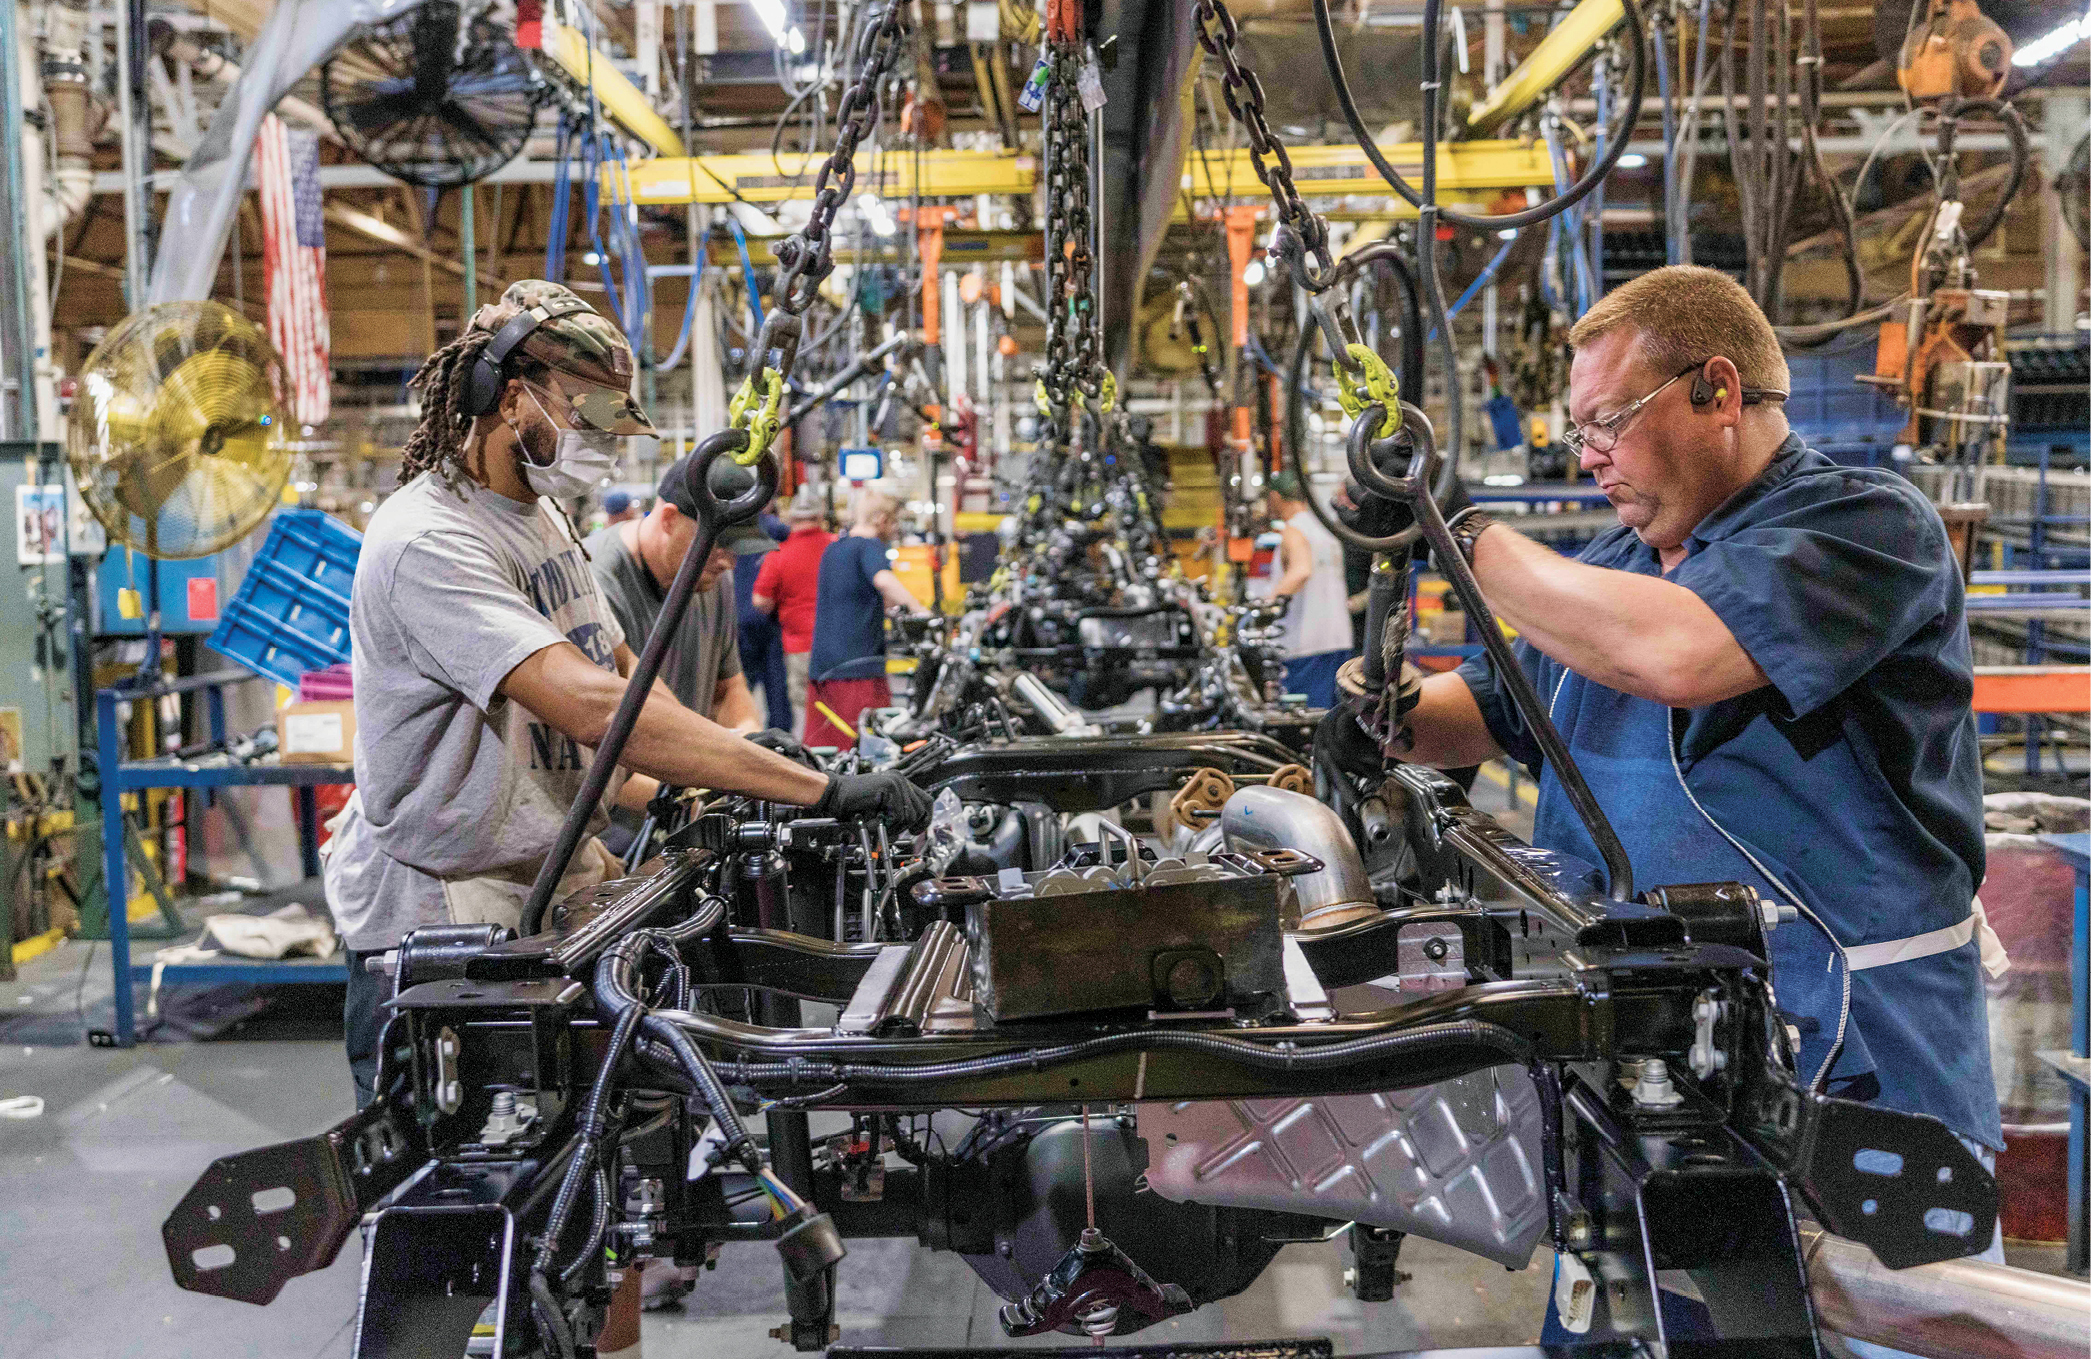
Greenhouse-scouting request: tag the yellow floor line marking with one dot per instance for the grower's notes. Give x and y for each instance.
(1527, 791)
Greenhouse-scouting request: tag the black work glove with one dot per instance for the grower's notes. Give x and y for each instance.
(875, 797)
(1374, 516)
(1342, 743)
(784, 743)
(1363, 512)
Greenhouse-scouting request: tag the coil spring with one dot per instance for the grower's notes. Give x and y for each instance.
(1099, 1320)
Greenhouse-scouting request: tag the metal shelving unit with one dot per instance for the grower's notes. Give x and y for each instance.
(214, 771)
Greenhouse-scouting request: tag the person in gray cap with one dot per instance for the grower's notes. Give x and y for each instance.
(635, 561)
(487, 660)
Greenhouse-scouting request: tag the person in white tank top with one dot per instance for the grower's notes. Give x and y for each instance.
(1310, 575)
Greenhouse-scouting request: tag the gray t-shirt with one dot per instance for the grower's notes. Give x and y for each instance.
(454, 589)
(705, 650)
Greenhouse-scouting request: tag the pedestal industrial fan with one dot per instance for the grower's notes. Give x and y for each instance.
(177, 435)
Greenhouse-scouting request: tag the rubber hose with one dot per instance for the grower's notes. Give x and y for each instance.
(1427, 229)
(615, 989)
(552, 1331)
(1592, 177)
(591, 1134)
(599, 1222)
(2021, 158)
(1434, 1038)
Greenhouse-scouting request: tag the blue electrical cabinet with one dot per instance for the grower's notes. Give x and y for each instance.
(192, 593)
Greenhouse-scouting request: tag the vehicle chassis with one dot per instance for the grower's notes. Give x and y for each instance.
(1704, 1186)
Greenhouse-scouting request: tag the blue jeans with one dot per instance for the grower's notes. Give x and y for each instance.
(762, 662)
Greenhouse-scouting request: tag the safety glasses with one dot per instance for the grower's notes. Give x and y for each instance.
(587, 406)
(1602, 436)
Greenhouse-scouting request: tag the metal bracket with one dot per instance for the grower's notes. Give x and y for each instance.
(1687, 1197)
(255, 1221)
(438, 1258)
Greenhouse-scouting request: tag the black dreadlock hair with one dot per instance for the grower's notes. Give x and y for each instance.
(438, 442)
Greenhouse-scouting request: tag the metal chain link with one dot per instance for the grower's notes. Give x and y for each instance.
(1074, 366)
(1220, 36)
(807, 256)
(1300, 232)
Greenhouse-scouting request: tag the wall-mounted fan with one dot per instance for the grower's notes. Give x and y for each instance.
(177, 435)
(436, 97)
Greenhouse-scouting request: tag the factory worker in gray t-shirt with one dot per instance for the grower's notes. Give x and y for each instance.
(635, 561)
(487, 662)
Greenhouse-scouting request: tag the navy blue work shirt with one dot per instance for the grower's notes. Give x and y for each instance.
(1850, 786)
(849, 617)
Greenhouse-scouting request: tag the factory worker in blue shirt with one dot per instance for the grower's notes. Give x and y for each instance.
(1764, 674)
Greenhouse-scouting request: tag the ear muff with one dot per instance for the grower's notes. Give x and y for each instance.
(483, 385)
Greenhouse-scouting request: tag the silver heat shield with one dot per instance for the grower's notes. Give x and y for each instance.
(1457, 1162)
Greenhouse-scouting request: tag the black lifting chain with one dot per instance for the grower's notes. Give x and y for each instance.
(1074, 366)
(1301, 233)
(807, 256)
(1221, 38)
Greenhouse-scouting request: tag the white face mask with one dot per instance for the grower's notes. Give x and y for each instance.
(581, 460)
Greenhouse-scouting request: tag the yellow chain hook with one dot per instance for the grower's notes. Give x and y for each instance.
(1107, 392)
(1379, 385)
(756, 409)
(1045, 402)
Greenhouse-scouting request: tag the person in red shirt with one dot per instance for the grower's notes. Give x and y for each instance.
(789, 586)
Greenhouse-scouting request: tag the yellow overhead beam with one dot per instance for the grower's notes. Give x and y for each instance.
(1558, 53)
(961, 248)
(761, 178)
(1463, 167)
(619, 97)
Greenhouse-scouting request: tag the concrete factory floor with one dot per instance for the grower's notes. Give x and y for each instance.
(84, 1187)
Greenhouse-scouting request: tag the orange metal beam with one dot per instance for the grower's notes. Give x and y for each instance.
(2032, 688)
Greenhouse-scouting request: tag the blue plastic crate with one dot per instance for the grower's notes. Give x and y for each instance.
(291, 614)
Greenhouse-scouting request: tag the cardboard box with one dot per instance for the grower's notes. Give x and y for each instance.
(1448, 627)
(317, 733)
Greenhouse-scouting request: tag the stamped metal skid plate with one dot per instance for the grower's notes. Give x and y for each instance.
(1457, 1162)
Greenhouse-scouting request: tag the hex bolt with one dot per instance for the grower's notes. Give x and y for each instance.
(1654, 1090)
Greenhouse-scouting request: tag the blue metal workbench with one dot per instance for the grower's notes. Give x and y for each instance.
(214, 771)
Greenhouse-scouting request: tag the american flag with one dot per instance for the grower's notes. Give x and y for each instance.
(294, 261)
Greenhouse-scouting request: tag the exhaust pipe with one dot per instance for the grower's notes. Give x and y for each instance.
(1958, 1309)
(1260, 817)
(1051, 708)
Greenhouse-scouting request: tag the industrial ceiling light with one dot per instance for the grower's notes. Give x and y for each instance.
(1252, 273)
(874, 211)
(2049, 46)
(782, 32)
(1632, 160)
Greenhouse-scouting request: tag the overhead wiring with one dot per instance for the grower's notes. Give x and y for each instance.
(1325, 25)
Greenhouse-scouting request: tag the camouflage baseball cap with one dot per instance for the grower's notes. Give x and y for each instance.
(582, 344)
